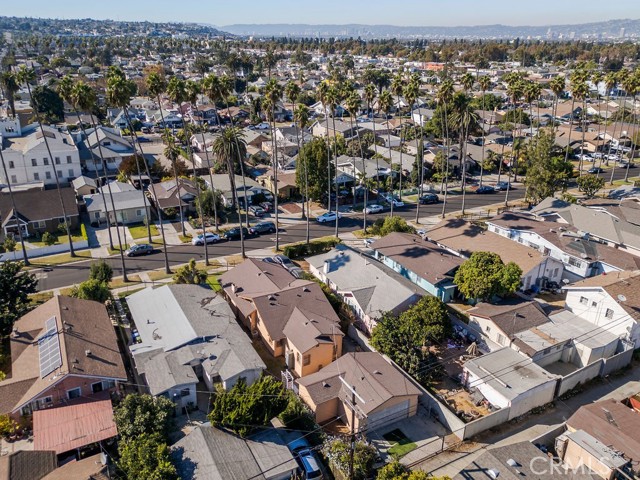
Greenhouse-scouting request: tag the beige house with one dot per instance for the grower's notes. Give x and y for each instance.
(384, 394)
(292, 317)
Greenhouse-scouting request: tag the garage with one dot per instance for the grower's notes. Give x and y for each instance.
(389, 415)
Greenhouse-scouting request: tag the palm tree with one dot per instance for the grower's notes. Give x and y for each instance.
(322, 94)
(557, 86)
(622, 77)
(352, 102)
(28, 76)
(385, 103)
(230, 147)
(14, 208)
(172, 153)
(397, 88)
(370, 94)
(632, 87)
(444, 96)
(464, 119)
(485, 84)
(609, 84)
(301, 118)
(532, 91)
(273, 94)
(580, 92)
(575, 80)
(333, 100)
(411, 92)
(467, 82)
(11, 86)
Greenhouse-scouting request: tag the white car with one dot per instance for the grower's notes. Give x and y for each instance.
(208, 237)
(397, 203)
(328, 217)
(374, 209)
(262, 126)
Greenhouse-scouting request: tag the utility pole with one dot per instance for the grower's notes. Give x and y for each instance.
(352, 448)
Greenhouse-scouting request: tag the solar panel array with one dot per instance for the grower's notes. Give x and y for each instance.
(49, 348)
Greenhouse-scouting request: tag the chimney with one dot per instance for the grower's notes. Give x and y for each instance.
(234, 289)
(327, 268)
(87, 353)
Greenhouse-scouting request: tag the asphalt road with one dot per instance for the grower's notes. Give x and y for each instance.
(74, 273)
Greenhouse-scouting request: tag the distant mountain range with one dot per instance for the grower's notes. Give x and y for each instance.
(611, 29)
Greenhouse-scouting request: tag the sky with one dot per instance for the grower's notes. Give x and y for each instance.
(392, 12)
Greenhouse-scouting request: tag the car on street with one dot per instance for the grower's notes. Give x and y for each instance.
(595, 170)
(144, 139)
(266, 206)
(375, 208)
(137, 250)
(485, 189)
(234, 233)
(306, 458)
(257, 211)
(429, 198)
(501, 186)
(263, 227)
(207, 237)
(261, 126)
(328, 217)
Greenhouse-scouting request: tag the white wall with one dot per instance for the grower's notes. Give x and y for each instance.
(536, 397)
(23, 171)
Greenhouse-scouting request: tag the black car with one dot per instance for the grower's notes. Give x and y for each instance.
(428, 198)
(595, 170)
(485, 189)
(234, 233)
(263, 227)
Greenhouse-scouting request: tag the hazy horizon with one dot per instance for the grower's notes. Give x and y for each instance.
(406, 13)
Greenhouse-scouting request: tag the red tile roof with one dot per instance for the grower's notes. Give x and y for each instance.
(67, 428)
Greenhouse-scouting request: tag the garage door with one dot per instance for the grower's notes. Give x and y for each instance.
(388, 415)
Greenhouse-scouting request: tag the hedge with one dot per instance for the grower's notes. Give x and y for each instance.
(315, 247)
(83, 232)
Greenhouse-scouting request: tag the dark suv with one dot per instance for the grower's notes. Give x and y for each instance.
(234, 233)
(263, 227)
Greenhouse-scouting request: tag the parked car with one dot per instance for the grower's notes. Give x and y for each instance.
(485, 189)
(375, 208)
(257, 211)
(266, 206)
(234, 233)
(262, 126)
(263, 227)
(501, 186)
(328, 217)
(207, 237)
(144, 139)
(429, 198)
(625, 164)
(307, 459)
(595, 170)
(137, 250)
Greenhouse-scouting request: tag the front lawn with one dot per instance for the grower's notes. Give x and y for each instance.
(401, 444)
(60, 259)
(62, 239)
(140, 231)
(116, 249)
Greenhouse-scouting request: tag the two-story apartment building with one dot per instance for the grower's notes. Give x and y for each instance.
(104, 143)
(63, 350)
(27, 158)
(291, 316)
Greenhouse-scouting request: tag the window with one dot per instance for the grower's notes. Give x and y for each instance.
(45, 161)
(74, 393)
(45, 401)
(97, 215)
(594, 304)
(185, 392)
(106, 144)
(109, 384)
(608, 313)
(139, 212)
(61, 220)
(36, 176)
(60, 174)
(501, 339)
(96, 387)
(555, 272)
(40, 225)
(71, 172)
(68, 158)
(546, 351)
(14, 179)
(575, 262)
(57, 160)
(584, 300)
(11, 164)
(487, 328)
(47, 175)
(306, 360)
(34, 162)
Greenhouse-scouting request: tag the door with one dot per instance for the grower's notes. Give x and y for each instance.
(389, 415)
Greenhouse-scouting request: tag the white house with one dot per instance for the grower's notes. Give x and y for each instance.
(27, 158)
(105, 143)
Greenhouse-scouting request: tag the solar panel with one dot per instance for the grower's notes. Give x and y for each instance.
(49, 348)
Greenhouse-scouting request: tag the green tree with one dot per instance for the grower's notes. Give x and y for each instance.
(244, 407)
(206, 202)
(385, 226)
(190, 274)
(9, 244)
(144, 414)
(313, 160)
(146, 457)
(49, 238)
(397, 471)
(48, 103)
(101, 271)
(92, 289)
(364, 457)
(15, 287)
(590, 184)
(547, 171)
(484, 275)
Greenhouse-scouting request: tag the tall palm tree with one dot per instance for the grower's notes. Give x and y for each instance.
(301, 118)
(632, 87)
(28, 76)
(609, 84)
(177, 92)
(333, 100)
(557, 86)
(172, 153)
(230, 147)
(273, 94)
(397, 88)
(464, 119)
(580, 91)
(385, 103)
(411, 92)
(444, 96)
(11, 86)
(575, 80)
(467, 82)
(25, 257)
(485, 84)
(322, 94)
(622, 77)
(370, 94)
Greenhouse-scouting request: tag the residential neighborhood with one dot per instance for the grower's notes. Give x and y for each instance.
(233, 256)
